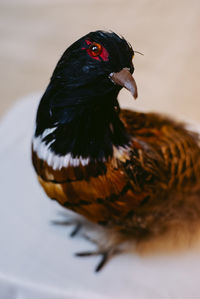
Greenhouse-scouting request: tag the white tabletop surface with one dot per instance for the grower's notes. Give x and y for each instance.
(37, 259)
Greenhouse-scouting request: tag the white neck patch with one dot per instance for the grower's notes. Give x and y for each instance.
(44, 152)
(57, 162)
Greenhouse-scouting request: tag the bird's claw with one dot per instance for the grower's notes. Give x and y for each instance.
(106, 254)
(77, 225)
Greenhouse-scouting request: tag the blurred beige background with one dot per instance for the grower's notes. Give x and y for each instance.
(34, 34)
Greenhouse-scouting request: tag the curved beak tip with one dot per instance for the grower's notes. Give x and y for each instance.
(125, 79)
(132, 87)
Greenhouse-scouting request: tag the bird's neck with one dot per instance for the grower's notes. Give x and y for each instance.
(91, 133)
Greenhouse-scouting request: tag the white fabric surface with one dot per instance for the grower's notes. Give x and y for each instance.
(36, 258)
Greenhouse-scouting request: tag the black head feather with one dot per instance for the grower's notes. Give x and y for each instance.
(81, 100)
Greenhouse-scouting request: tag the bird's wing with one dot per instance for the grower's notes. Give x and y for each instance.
(164, 148)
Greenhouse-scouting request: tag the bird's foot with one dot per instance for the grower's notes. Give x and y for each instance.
(108, 243)
(105, 252)
(106, 256)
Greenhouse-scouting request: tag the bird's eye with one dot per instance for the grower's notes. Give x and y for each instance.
(95, 49)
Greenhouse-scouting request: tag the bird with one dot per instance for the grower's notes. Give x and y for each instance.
(133, 173)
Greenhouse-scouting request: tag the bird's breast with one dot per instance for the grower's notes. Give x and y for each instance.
(96, 190)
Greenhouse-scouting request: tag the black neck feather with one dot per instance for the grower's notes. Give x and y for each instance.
(87, 130)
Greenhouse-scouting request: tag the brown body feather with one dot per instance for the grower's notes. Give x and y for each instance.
(141, 189)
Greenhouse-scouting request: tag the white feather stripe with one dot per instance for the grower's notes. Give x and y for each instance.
(44, 152)
(57, 162)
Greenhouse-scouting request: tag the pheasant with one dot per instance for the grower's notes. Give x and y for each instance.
(134, 173)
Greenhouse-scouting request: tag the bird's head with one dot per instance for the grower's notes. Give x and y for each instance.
(93, 68)
(80, 103)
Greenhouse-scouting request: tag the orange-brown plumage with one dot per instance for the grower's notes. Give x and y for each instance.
(159, 171)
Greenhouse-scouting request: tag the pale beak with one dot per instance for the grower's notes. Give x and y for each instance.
(125, 79)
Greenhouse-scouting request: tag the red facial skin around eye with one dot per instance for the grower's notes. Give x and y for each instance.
(104, 53)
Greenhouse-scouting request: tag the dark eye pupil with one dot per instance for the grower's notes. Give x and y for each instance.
(95, 49)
